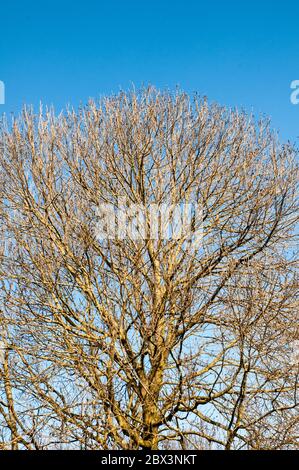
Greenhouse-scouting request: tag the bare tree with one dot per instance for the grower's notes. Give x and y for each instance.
(129, 341)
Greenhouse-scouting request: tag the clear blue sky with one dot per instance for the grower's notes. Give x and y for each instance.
(238, 53)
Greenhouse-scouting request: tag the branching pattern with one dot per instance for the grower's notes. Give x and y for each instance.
(130, 344)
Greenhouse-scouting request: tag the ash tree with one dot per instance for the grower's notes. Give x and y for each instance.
(143, 339)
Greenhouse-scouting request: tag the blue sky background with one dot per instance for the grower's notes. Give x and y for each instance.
(238, 53)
